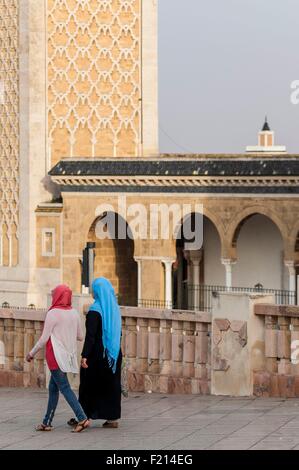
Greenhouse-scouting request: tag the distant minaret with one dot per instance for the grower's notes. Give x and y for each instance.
(266, 142)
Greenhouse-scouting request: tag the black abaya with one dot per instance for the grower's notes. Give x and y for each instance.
(100, 388)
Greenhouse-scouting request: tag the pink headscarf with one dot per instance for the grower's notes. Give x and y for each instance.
(61, 297)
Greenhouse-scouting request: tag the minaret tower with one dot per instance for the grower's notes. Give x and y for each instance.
(266, 142)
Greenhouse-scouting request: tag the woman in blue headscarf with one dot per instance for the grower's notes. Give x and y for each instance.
(100, 374)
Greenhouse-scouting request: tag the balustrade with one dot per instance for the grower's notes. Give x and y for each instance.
(164, 350)
(281, 351)
(167, 350)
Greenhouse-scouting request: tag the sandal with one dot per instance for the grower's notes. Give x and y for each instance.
(72, 422)
(43, 427)
(110, 424)
(81, 426)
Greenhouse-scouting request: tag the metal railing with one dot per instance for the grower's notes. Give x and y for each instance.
(199, 297)
(154, 303)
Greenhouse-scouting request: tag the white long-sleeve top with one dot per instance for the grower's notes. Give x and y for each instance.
(64, 329)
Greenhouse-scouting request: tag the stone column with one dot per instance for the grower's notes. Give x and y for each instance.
(180, 280)
(284, 345)
(91, 247)
(168, 281)
(292, 279)
(196, 257)
(139, 282)
(2, 346)
(228, 263)
(142, 344)
(189, 283)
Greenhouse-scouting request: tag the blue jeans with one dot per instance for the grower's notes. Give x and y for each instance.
(59, 383)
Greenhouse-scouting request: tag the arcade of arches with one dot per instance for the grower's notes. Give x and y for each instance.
(244, 245)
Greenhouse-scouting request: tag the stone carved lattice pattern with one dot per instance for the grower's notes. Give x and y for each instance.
(9, 131)
(93, 78)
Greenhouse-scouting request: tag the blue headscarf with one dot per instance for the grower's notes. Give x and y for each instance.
(106, 305)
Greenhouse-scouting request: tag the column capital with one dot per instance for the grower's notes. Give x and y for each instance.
(289, 263)
(154, 258)
(228, 261)
(168, 261)
(195, 256)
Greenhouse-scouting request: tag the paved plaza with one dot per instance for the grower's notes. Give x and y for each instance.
(156, 422)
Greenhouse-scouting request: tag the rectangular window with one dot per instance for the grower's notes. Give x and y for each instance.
(48, 242)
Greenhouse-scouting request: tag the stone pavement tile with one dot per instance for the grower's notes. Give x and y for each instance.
(252, 431)
(144, 427)
(272, 420)
(178, 414)
(219, 428)
(204, 417)
(20, 438)
(235, 443)
(289, 428)
(222, 430)
(198, 443)
(157, 444)
(153, 421)
(168, 420)
(189, 428)
(276, 443)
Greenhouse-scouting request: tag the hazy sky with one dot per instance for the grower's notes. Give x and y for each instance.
(224, 64)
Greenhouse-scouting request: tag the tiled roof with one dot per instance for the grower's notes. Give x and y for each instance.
(174, 165)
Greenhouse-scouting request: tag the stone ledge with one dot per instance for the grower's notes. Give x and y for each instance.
(156, 383)
(277, 310)
(10, 378)
(268, 384)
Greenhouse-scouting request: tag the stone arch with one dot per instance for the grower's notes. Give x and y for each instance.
(218, 224)
(236, 226)
(198, 267)
(114, 258)
(293, 246)
(258, 244)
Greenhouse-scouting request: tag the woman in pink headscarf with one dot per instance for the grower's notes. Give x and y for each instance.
(61, 331)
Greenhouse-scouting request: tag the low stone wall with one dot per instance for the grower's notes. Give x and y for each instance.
(19, 330)
(247, 346)
(165, 351)
(280, 375)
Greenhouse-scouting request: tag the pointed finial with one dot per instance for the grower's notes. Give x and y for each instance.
(266, 125)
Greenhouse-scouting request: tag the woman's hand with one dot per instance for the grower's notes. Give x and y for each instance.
(84, 363)
(29, 358)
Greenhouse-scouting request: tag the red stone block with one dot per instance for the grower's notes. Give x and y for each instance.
(19, 379)
(290, 386)
(274, 389)
(286, 386)
(282, 385)
(41, 380)
(176, 385)
(296, 386)
(135, 382)
(163, 383)
(11, 379)
(4, 378)
(26, 379)
(204, 387)
(187, 386)
(261, 384)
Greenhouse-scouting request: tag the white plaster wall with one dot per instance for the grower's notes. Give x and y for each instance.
(260, 255)
(259, 251)
(214, 271)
